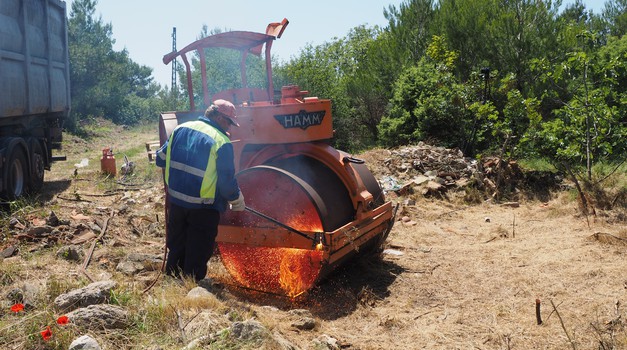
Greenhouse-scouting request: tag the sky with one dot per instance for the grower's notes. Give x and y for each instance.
(144, 27)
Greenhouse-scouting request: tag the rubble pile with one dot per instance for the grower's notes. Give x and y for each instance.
(431, 170)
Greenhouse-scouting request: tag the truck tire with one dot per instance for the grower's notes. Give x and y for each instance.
(15, 170)
(37, 166)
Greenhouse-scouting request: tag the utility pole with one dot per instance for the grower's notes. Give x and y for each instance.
(173, 86)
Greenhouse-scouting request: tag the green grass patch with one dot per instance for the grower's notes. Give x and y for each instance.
(536, 164)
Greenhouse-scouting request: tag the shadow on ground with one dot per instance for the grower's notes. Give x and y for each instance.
(364, 281)
(52, 188)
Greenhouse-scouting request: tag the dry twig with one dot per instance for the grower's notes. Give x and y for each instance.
(563, 327)
(99, 238)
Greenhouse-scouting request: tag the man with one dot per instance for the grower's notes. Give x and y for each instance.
(199, 175)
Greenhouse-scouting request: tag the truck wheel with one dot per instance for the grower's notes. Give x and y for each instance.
(36, 166)
(15, 174)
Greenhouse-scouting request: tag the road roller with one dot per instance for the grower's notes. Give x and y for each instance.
(309, 207)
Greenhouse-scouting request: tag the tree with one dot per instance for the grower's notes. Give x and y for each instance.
(429, 104)
(615, 13)
(105, 82)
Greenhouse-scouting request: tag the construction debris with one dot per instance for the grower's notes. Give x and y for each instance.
(435, 171)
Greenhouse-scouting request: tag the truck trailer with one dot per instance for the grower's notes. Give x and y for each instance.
(34, 91)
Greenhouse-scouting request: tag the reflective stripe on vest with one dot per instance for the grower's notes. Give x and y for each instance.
(208, 175)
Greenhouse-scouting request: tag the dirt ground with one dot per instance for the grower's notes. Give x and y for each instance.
(453, 276)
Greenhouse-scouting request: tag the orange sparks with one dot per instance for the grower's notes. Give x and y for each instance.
(284, 271)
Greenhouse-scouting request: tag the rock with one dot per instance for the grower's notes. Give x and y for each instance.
(54, 221)
(8, 252)
(149, 262)
(304, 319)
(71, 253)
(14, 223)
(487, 219)
(100, 316)
(26, 294)
(282, 343)
(197, 343)
(130, 268)
(84, 342)
(15, 295)
(392, 252)
(325, 342)
(198, 292)
(300, 312)
(39, 231)
(304, 323)
(431, 174)
(408, 202)
(94, 293)
(206, 322)
(420, 179)
(247, 330)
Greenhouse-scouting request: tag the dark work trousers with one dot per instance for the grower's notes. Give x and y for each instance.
(190, 240)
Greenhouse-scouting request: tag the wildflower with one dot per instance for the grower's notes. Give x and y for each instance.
(17, 307)
(46, 333)
(63, 320)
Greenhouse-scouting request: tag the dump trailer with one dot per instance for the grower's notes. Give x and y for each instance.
(34, 91)
(310, 207)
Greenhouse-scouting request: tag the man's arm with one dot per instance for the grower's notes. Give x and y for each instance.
(161, 155)
(227, 184)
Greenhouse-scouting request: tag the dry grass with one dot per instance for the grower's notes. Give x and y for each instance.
(468, 276)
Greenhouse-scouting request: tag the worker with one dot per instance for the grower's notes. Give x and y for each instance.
(200, 182)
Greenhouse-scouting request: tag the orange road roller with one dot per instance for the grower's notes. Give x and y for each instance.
(310, 207)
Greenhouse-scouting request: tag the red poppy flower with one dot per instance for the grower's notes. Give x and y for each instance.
(63, 320)
(46, 333)
(17, 307)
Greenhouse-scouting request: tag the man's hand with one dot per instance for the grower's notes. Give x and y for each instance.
(238, 204)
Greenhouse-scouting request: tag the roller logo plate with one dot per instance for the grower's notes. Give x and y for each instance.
(302, 119)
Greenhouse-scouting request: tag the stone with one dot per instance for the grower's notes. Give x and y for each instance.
(71, 253)
(304, 323)
(198, 292)
(84, 342)
(325, 342)
(100, 316)
(206, 322)
(94, 293)
(39, 231)
(282, 343)
(149, 262)
(8, 252)
(300, 312)
(129, 268)
(247, 330)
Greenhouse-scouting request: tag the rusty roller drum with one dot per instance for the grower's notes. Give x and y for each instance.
(303, 194)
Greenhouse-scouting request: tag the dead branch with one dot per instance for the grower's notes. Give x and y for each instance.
(77, 199)
(563, 327)
(597, 234)
(180, 324)
(538, 314)
(99, 238)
